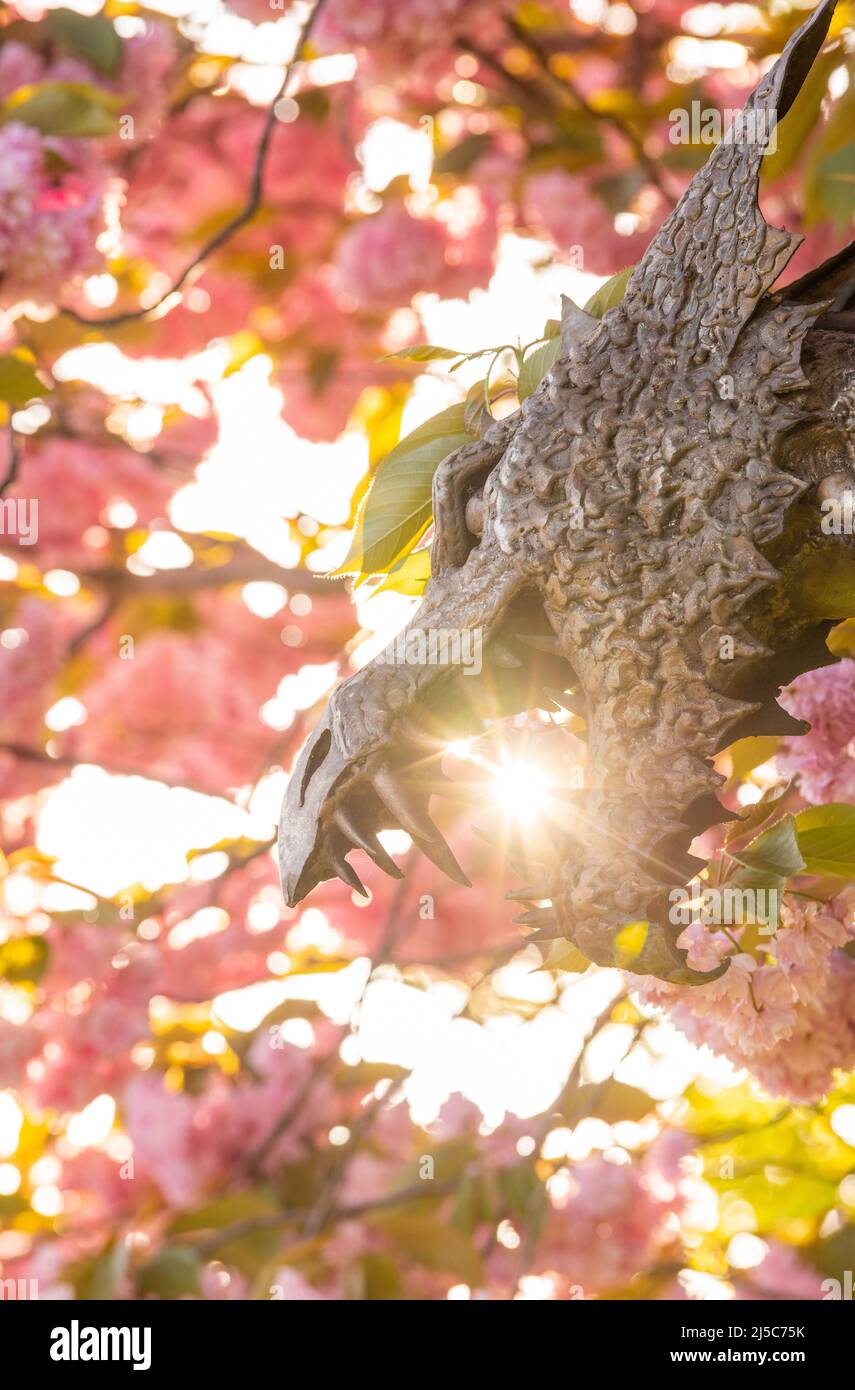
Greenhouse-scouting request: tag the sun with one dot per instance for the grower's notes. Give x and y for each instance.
(521, 789)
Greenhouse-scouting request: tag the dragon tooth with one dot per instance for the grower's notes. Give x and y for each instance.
(363, 839)
(394, 795)
(419, 825)
(440, 854)
(348, 875)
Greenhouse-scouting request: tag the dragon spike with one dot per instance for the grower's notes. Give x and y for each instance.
(553, 933)
(365, 840)
(772, 720)
(418, 824)
(716, 241)
(576, 326)
(537, 917)
(528, 895)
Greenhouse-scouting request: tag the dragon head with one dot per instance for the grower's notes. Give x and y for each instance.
(634, 544)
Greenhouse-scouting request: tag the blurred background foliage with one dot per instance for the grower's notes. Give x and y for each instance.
(227, 235)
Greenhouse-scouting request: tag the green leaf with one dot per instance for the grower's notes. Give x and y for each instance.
(476, 399)
(462, 155)
(826, 837)
(90, 36)
(99, 1279)
(536, 365)
(433, 1243)
(756, 815)
(610, 1100)
(225, 1211)
(747, 753)
(374, 1277)
(18, 381)
(775, 851)
(63, 108)
(170, 1274)
(766, 890)
(563, 955)
(23, 959)
(829, 184)
(422, 352)
(835, 182)
(800, 121)
(397, 510)
(609, 294)
(408, 576)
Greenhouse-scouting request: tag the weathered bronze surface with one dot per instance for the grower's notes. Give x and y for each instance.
(655, 507)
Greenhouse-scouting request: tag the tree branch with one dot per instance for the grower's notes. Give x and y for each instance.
(234, 224)
(564, 85)
(245, 568)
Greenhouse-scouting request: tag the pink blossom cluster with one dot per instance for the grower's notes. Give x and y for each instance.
(823, 759)
(608, 1219)
(187, 1144)
(564, 207)
(51, 213)
(384, 260)
(390, 34)
(75, 482)
(789, 1016)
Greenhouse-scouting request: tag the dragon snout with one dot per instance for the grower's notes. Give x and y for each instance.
(304, 859)
(338, 800)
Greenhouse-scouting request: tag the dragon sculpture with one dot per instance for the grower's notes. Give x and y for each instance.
(642, 540)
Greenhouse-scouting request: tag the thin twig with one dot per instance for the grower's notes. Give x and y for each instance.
(210, 1243)
(240, 219)
(565, 85)
(14, 460)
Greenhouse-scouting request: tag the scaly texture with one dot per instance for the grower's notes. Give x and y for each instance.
(639, 495)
